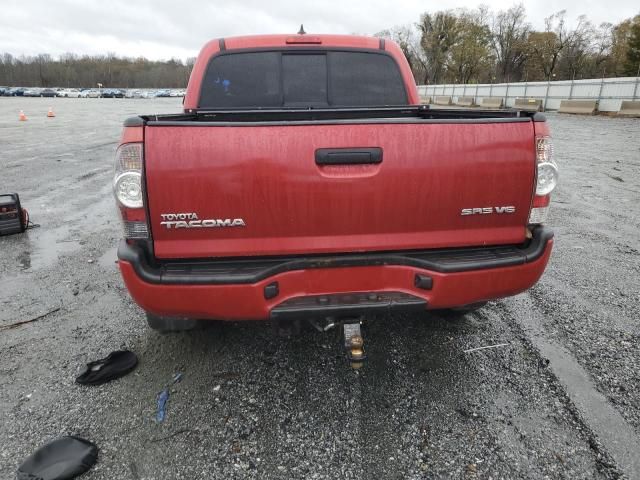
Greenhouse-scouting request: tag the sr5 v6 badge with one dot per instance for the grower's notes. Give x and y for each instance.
(488, 210)
(191, 220)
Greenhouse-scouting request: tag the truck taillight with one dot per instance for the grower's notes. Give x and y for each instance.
(128, 190)
(546, 179)
(547, 175)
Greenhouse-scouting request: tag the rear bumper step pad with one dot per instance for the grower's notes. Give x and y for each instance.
(249, 270)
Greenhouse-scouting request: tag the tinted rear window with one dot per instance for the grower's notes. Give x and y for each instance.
(304, 80)
(243, 80)
(316, 79)
(365, 79)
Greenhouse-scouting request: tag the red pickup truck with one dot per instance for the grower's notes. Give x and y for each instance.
(305, 180)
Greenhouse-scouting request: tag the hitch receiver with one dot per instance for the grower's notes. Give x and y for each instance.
(354, 343)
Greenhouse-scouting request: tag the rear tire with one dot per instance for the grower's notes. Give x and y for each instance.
(170, 324)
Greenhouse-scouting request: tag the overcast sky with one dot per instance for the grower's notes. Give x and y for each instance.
(161, 29)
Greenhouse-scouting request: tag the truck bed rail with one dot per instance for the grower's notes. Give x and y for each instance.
(382, 114)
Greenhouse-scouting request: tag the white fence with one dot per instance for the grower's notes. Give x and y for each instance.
(609, 92)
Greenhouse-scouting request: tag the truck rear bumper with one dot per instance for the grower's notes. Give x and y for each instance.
(257, 289)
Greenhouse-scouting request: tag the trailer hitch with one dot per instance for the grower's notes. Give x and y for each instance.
(353, 340)
(354, 343)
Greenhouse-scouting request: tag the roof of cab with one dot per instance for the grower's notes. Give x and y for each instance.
(280, 40)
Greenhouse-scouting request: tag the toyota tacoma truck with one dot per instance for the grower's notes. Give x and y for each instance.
(304, 180)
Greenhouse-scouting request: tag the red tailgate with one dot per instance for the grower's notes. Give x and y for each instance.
(268, 177)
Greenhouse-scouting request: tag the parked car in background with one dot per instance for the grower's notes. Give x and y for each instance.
(93, 93)
(32, 92)
(163, 93)
(48, 92)
(112, 93)
(2, 90)
(69, 92)
(14, 92)
(133, 94)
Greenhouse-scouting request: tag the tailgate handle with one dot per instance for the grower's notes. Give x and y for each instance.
(348, 156)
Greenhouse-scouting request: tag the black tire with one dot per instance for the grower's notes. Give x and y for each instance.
(170, 324)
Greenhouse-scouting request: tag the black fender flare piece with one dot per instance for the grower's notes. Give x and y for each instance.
(62, 459)
(116, 365)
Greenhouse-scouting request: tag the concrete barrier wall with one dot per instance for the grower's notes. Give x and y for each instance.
(425, 100)
(442, 100)
(630, 109)
(609, 92)
(583, 107)
(530, 104)
(466, 101)
(488, 102)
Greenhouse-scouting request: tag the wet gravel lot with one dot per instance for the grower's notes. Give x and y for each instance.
(559, 401)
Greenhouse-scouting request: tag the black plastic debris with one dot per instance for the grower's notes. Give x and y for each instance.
(62, 459)
(116, 365)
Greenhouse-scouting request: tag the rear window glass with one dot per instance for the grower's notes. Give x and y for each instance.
(304, 80)
(314, 79)
(243, 80)
(363, 78)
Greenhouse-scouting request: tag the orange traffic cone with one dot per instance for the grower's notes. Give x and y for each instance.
(50, 113)
(22, 116)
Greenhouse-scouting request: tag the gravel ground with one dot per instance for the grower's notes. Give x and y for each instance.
(590, 296)
(254, 406)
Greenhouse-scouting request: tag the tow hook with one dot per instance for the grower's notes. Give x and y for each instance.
(354, 344)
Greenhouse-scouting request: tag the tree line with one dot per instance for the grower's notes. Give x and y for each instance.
(453, 46)
(70, 70)
(484, 46)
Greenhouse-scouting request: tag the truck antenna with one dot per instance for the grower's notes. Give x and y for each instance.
(301, 31)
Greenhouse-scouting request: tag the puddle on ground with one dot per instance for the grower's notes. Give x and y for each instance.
(24, 260)
(109, 258)
(46, 247)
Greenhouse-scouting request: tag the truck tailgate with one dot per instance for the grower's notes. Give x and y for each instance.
(268, 176)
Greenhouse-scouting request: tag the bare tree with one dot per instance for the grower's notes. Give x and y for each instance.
(545, 47)
(632, 63)
(580, 48)
(470, 55)
(509, 31)
(438, 35)
(408, 39)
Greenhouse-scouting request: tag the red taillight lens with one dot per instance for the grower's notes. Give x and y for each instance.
(303, 40)
(128, 190)
(546, 179)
